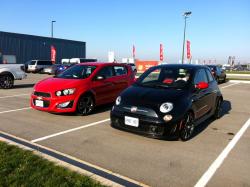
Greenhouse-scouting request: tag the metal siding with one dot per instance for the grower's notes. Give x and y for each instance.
(28, 47)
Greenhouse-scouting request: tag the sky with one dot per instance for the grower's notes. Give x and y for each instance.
(216, 29)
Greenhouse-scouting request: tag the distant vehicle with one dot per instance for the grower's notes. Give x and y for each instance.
(133, 66)
(82, 87)
(168, 100)
(82, 60)
(9, 73)
(37, 66)
(218, 73)
(56, 68)
(226, 67)
(65, 60)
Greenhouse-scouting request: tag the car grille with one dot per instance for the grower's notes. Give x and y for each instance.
(42, 94)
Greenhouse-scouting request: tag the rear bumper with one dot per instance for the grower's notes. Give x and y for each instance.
(148, 126)
(51, 104)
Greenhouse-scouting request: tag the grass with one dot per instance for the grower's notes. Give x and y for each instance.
(240, 79)
(20, 167)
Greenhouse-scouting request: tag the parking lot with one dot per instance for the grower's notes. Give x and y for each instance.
(149, 161)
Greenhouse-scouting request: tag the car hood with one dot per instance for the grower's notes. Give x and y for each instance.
(149, 97)
(55, 84)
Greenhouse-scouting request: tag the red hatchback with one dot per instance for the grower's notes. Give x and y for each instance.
(82, 87)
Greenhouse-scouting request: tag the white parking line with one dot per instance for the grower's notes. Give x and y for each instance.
(217, 163)
(20, 109)
(230, 85)
(13, 96)
(70, 130)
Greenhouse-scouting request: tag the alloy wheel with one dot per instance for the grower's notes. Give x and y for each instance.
(85, 105)
(187, 128)
(6, 81)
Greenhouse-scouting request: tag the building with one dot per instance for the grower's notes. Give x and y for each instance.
(23, 47)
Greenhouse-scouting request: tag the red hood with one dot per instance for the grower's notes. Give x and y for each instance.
(55, 84)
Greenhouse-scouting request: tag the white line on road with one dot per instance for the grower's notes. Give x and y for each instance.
(229, 85)
(13, 96)
(8, 111)
(217, 163)
(70, 130)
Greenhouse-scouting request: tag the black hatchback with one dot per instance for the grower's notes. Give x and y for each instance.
(168, 100)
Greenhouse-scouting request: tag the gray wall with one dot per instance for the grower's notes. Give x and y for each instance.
(29, 47)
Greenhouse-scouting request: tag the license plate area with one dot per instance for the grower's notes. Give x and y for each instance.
(131, 121)
(39, 103)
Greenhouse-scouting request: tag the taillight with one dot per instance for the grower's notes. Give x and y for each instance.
(22, 68)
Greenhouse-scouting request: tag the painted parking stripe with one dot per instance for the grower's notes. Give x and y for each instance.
(68, 131)
(90, 168)
(20, 109)
(230, 85)
(217, 163)
(13, 96)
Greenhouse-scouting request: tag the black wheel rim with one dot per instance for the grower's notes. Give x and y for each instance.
(6, 82)
(218, 109)
(188, 127)
(85, 105)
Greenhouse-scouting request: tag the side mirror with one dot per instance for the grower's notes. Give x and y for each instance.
(99, 77)
(201, 85)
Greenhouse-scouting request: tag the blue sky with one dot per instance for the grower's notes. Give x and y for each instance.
(216, 28)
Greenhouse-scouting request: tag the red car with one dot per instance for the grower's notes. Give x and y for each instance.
(82, 87)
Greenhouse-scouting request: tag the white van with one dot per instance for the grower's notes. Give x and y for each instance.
(81, 60)
(37, 66)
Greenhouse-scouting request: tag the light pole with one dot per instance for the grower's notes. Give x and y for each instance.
(186, 15)
(52, 28)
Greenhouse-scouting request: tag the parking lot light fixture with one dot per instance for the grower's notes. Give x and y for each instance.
(52, 28)
(186, 15)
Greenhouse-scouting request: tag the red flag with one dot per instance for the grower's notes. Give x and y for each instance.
(53, 53)
(188, 50)
(133, 51)
(161, 52)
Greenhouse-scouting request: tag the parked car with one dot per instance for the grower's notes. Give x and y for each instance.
(82, 87)
(133, 66)
(218, 73)
(37, 66)
(9, 73)
(168, 100)
(82, 60)
(56, 69)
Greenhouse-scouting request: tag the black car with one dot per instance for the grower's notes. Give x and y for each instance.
(218, 73)
(168, 100)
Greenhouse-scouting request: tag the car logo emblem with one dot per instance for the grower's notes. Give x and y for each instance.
(133, 109)
(39, 98)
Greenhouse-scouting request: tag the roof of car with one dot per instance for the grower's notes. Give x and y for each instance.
(184, 66)
(100, 63)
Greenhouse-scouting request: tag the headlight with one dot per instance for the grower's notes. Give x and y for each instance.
(65, 92)
(166, 107)
(118, 100)
(58, 93)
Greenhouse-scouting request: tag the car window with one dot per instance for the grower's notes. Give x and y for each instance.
(200, 76)
(106, 72)
(120, 70)
(209, 75)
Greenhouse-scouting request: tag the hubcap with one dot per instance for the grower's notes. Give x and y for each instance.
(7, 82)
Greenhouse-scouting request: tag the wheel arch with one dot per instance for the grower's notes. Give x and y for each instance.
(7, 73)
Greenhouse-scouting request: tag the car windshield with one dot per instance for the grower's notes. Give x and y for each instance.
(77, 72)
(165, 77)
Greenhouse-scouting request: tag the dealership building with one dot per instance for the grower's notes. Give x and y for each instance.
(20, 48)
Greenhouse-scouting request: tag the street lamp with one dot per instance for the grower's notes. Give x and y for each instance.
(186, 15)
(52, 28)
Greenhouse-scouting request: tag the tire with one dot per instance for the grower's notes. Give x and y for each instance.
(187, 129)
(218, 109)
(85, 105)
(6, 81)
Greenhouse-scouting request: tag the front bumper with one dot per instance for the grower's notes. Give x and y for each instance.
(51, 104)
(148, 126)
